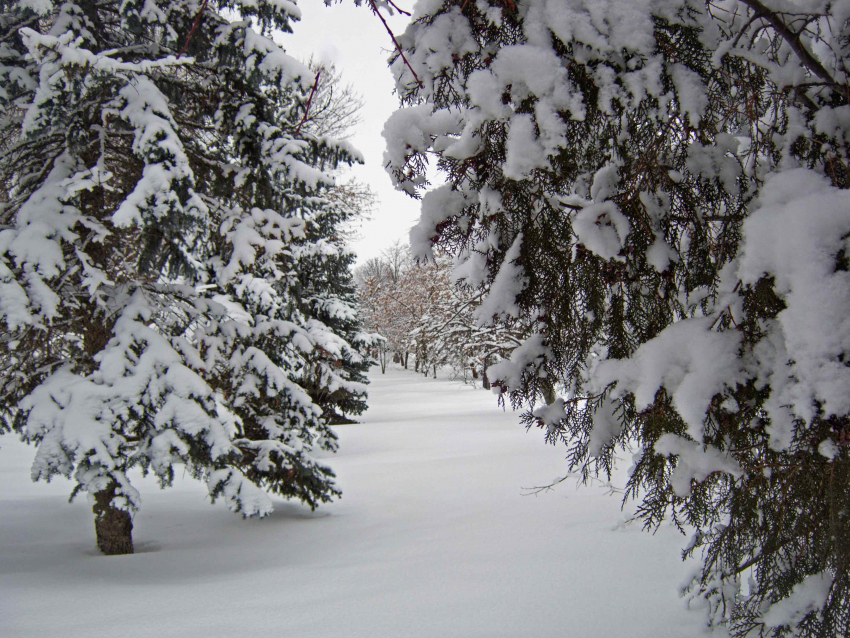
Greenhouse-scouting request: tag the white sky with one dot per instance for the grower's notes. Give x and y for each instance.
(356, 42)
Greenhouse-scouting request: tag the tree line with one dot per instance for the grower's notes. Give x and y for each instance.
(421, 310)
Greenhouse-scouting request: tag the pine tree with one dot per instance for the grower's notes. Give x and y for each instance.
(661, 188)
(154, 170)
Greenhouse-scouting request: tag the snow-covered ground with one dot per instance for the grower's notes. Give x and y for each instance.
(435, 537)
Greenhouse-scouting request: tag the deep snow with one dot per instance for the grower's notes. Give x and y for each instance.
(435, 536)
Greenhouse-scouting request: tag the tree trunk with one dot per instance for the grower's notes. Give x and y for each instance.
(406, 357)
(484, 380)
(113, 527)
(549, 393)
(435, 370)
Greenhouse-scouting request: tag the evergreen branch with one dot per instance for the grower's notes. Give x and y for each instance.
(793, 40)
(537, 489)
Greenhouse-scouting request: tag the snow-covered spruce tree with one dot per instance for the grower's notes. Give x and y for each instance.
(662, 185)
(153, 175)
(336, 376)
(326, 293)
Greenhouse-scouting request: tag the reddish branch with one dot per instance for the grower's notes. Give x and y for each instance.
(397, 8)
(793, 40)
(194, 28)
(309, 102)
(397, 45)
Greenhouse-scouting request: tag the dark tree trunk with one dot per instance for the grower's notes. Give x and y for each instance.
(113, 527)
(549, 393)
(406, 357)
(484, 380)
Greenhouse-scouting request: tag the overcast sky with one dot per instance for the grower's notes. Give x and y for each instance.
(356, 42)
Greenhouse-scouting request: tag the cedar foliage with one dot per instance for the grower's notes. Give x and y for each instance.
(627, 172)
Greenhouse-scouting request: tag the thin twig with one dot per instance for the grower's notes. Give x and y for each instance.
(397, 8)
(397, 45)
(194, 28)
(309, 102)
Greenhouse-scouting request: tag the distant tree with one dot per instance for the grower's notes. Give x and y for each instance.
(335, 107)
(374, 269)
(662, 188)
(371, 305)
(378, 291)
(397, 259)
(421, 309)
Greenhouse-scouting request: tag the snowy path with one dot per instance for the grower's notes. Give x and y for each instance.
(433, 538)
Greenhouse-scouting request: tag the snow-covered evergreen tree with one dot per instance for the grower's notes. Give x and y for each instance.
(328, 297)
(663, 185)
(155, 176)
(327, 294)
